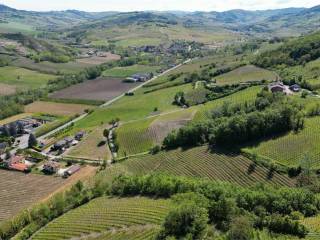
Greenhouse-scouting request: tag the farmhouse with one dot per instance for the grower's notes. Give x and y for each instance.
(59, 145)
(17, 163)
(51, 167)
(277, 87)
(140, 77)
(79, 135)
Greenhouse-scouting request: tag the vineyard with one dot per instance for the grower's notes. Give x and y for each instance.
(109, 218)
(313, 224)
(201, 162)
(247, 95)
(292, 148)
(18, 191)
(245, 74)
(140, 136)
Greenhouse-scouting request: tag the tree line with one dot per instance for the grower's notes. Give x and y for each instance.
(271, 114)
(201, 202)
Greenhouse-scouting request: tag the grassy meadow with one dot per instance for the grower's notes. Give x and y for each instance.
(123, 72)
(23, 78)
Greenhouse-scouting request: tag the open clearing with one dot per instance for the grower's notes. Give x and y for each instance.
(291, 149)
(89, 147)
(200, 162)
(96, 60)
(23, 78)
(245, 74)
(62, 109)
(100, 89)
(123, 72)
(105, 216)
(6, 89)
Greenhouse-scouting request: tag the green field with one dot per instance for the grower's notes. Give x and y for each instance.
(123, 72)
(247, 95)
(291, 149)
(23, 78)
(16, 27)
(50, 67)
(246, 74)
(200, 162)
(103, 217)
(135, 107)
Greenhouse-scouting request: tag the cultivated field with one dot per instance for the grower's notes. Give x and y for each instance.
(89, 147)
(123, 72)
(62, 109)
(201, 162)
(104, 216)
(50, 67)
(6, 89)
(23, 78)
(99, 89)
(134, 107)
(140, 136)
(247, 95)
(95, 60)
(292, 148)
(19, 191)
(245, 74)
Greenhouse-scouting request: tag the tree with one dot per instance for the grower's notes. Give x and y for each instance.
(187, 220)
(32, 141)
(106, 133)
(13, 130)
(240, 229)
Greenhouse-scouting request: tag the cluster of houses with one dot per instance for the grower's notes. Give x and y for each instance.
(20, 163)
(280, 87)
(67, 142)
(22, 126)
(53, 167)
(16, 163)
(139, 77)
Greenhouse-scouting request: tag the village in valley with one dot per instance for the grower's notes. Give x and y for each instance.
(160, 124)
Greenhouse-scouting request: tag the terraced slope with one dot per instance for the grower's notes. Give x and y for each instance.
(109, 218)
(201, 162)
(291, 149)
(246, 74)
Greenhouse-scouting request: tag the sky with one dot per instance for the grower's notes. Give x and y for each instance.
(160, 5)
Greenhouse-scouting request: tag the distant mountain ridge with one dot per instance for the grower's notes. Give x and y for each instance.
(286, 22)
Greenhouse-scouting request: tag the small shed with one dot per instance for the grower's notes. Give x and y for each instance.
(72, 170)
(277, 87)
(295, 88)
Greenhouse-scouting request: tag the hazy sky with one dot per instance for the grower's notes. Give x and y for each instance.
(133, 5)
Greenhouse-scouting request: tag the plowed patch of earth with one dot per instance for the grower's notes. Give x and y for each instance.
(6, 89)
(100, 89)
(161, 127)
